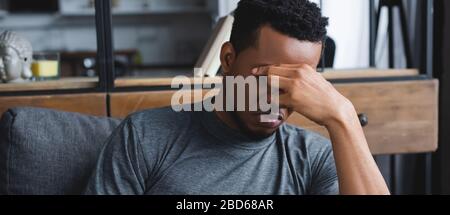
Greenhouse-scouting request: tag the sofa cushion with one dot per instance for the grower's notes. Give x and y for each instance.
(49, 152)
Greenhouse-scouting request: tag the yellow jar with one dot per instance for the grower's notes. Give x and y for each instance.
(45, 66)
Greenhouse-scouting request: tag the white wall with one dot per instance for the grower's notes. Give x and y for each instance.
(227, 6)
(349, 27)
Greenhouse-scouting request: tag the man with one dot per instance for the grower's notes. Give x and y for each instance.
(165, 152)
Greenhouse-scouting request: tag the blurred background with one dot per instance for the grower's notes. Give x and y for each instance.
(166, 37)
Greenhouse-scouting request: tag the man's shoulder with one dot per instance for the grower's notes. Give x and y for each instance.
(163, 113)
(162, 128)
(159, 118)
(305, 138)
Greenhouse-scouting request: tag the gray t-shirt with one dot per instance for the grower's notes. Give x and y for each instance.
(162, 152)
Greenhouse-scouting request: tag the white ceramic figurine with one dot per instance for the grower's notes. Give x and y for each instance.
(16, 56)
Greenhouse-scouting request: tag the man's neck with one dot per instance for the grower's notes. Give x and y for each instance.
(226, 118)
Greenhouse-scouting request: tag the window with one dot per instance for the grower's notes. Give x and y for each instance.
(160, 38)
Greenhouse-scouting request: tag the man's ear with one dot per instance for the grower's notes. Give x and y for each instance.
(227, 57)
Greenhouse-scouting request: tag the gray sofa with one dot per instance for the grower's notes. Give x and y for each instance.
(45, 152)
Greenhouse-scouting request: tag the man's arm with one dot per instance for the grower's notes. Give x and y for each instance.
(308, 93)
(356, 168)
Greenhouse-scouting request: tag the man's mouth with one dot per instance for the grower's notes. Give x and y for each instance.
(275, 116)
(271, 120)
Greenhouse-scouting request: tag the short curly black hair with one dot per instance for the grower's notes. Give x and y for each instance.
(299, 19)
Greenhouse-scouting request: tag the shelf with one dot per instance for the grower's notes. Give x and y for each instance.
(328, 74)
(160, 82)
(368, 73)
(86, 83)
(62, 84)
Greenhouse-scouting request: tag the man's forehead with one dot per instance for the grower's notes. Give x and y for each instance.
(279, 48)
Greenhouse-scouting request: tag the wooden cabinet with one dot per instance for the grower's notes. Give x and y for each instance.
(402, 116)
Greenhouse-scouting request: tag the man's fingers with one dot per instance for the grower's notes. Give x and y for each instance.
(296, 66)
(274, 70)
(283, 70)
(283, 101)
(282, 83)
(261, 71)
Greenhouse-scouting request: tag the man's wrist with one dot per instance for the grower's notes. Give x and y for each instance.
(345, 117)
